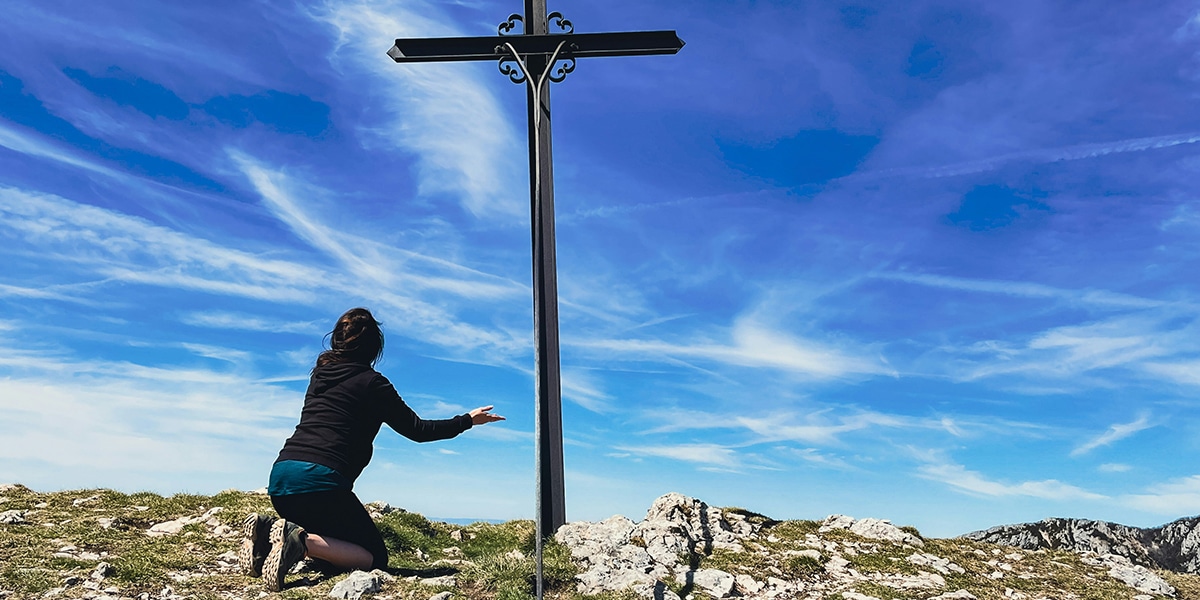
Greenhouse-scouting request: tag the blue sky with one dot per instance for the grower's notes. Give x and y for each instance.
(931, 262)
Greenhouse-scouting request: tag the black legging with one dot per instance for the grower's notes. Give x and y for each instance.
(337, 514)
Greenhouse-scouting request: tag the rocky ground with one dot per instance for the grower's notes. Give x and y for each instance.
(105, 545)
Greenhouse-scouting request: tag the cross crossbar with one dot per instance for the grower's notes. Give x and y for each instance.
(579, 45)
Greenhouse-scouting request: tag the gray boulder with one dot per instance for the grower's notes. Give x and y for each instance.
(876, 529)
(356, 585)
(618, 554)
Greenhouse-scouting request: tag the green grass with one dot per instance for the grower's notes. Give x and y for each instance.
(492, 561)
(145, 564)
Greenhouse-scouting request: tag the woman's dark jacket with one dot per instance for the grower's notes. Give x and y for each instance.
(343, 409)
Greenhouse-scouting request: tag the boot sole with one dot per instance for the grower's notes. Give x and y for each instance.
(273, 572)
(278, 561)
(246, 551)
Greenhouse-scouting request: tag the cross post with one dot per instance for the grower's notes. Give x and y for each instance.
(532, 58)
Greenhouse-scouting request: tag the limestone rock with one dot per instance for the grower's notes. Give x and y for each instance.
(12, 517)
(88, 500)
(445, 580)
(209, 518)
(747, 585)
(101, 571)
(357, 584)
(955, 595)
(1135, 576)
(442, 596)
(608, 555)
(937, 563)
(618, 554)
(714, 582)
(876, 529)
(379, 508)
(857, 596)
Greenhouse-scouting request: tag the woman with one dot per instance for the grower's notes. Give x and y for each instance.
(311, 484)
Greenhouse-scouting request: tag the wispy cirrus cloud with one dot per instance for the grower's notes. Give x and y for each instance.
(751, 344)
(245, 322)
(27, 142)
(113, 245)
(1179, 496)
(975, 483)
(1143, 342)
(1115, 433)
(297, 203)
(815, 457)
(124, 416)
(1039, 155)
(439, 114)
(47, 293)
(707, 455)
(834, 426)
(1186, 372)
(816, 428)
(1146, 335)
(1023, 289)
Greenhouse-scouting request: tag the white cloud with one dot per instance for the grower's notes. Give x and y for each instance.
(816, 457)
(755, 345)
(708, 455)
(244, 322)
(784, 427)
(411, 285)
(118, 247)
(584, 388)
(823, 427)
(1044, 155)
(125, 248)
(37, 293)
(1158, 342)
(1114, 468)
(230, 355)
(1022, 289)
(1174, 498)
(1115, 433)
(975, 483)
(463, 142)
(30, 144)
(110, 415)
(1186, 372)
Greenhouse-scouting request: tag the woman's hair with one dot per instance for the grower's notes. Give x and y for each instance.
(356, 338)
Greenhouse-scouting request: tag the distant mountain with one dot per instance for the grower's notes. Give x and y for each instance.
(1172, 547)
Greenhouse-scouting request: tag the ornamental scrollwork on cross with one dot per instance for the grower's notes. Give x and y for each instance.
(508, 26)
(560, 63)
(560, 22)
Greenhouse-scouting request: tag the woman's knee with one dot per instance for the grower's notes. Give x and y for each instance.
(379, 558)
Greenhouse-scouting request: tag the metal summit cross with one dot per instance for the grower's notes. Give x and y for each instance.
(531, 58)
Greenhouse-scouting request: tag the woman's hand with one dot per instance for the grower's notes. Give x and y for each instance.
(482, 415)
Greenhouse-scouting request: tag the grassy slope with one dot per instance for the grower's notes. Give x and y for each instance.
(66, 534)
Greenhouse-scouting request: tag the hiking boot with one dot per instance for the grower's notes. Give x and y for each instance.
(256, 530)
(288, 546)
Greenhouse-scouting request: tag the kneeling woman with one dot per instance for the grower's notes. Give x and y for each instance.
(312, 480)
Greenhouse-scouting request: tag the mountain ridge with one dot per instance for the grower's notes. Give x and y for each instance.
(1174, 546)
